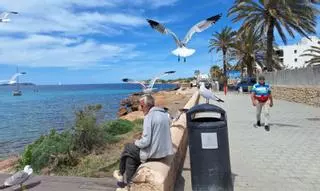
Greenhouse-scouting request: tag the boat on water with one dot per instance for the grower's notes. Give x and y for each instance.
(17, 91)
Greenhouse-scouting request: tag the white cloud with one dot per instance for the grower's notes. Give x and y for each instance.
(64, 23)
(155, 3)
(61, 33)
(47, 51)
(65, 16)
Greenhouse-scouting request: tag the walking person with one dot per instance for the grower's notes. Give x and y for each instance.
(261, 98)
(155, 143)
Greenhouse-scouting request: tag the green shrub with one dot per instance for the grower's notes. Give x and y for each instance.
(118, 127)
(87, 133)
(46, 148)
(57, 150)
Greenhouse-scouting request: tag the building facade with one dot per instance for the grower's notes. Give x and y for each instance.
(290, 55)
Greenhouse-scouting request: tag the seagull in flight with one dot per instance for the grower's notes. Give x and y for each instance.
(13, 79)
(204, 92)
(147, 89)
(4, 16)
(182, 50)
(19, 178)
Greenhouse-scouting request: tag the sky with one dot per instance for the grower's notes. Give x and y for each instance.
(103, 41)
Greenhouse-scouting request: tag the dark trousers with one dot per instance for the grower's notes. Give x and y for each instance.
(129, 161)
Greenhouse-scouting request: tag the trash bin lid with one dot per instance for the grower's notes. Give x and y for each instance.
(205, 107)
(206, 113)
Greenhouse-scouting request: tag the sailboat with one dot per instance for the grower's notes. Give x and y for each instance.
(17, 91)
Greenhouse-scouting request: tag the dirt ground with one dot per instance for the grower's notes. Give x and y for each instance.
(173, 100)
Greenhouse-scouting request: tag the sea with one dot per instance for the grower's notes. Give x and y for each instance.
(42, 108)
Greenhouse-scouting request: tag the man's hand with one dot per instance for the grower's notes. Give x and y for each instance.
(271, 104)
(254, 103)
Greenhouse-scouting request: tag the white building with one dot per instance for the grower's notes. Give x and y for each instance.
(290, 55)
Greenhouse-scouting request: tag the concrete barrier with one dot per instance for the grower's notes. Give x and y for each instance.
(162, 175)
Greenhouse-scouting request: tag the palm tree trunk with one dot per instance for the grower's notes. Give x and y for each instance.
(250, 67)
(224, 52)
(270, 39)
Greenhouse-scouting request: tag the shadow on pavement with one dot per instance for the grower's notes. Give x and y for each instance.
(283, 125)
(28, 186)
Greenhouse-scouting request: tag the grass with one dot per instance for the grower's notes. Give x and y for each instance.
(102, 164)
(88, 149)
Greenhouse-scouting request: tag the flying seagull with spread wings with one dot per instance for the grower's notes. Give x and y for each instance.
(182, 50)
(13, 79)
(147, 89)
(19, 178)
(4, 16)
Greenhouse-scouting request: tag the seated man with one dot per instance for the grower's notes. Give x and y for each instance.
(154, 144)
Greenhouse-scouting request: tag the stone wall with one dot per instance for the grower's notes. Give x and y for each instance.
(162, 175)
(299, 94)
(309, 76)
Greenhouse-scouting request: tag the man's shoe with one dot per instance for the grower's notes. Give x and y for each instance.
(122, 189)
(258, 123)
(118, 176)
(267, 128)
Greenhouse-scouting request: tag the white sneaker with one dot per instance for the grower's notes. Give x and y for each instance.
(118, 176)
(122, 189)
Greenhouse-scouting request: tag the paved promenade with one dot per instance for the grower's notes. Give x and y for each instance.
(285, 158)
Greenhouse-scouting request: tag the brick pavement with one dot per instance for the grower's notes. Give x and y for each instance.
(285, 158)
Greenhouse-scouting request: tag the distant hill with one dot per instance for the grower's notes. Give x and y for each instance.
(21, 84)
(172, 81)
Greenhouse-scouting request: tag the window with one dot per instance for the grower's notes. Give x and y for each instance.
(295, 59)
(281, 60)
(279, 53)
(295, 51)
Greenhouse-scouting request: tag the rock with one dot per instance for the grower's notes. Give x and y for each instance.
(122, 111)
(133, 116)
(134, 102)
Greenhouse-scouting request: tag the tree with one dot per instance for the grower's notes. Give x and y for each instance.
(247, 48)
(221, 41)
(314, 52)
(215, 72)
(196, 73)
(267, 15)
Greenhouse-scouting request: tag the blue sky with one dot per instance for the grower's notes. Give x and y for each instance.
(103, 41)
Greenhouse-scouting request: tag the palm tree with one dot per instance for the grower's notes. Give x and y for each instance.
(222, 42)
(247, 48)
(215, 72)
(196, 73)
(314, 52)
(267, 15)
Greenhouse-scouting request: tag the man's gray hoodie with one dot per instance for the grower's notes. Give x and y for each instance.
(156, 138)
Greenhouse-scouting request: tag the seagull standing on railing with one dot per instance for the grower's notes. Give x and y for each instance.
(19, 178)
(149, 88)
(182, 50)
(207, 94)
(4, 16)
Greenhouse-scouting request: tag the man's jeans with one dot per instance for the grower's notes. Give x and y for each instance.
(259, 106)
(129, 161)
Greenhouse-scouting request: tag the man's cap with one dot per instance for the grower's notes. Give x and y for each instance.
(261, 78)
